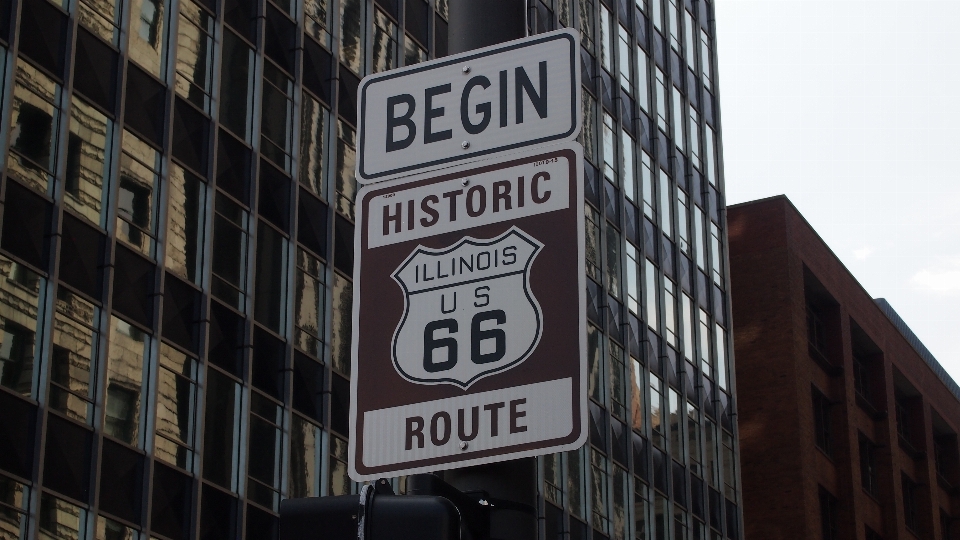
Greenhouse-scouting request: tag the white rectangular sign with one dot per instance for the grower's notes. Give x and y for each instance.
(468, 106)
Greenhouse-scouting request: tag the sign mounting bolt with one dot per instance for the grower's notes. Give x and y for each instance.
(465, 145)
(466, 69)
(463, 444)
(464, 182)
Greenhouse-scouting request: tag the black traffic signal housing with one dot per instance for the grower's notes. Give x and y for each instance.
(432, 510)
(377, 514)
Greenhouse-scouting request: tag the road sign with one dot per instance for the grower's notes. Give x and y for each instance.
(469, 315)
(468, 106)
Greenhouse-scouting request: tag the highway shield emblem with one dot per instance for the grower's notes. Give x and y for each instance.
(468, 310)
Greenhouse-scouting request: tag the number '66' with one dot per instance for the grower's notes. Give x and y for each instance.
(430, 343)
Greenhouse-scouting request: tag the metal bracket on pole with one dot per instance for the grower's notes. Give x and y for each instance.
(367, 493)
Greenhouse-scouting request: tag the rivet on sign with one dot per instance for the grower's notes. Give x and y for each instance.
(464, 182)
(465, 145)
(463, 444)
(466, 69)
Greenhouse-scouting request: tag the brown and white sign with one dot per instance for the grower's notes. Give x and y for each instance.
(469, 302)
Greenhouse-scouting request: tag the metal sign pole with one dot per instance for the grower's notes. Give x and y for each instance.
(479, 23)
(475, 24)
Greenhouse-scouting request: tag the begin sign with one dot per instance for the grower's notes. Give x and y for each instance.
(464, 107)
(469, 302)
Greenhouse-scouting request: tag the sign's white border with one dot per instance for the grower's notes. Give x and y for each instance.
(582, 316)
(389, 77)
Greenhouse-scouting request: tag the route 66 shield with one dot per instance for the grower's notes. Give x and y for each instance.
(468, 309)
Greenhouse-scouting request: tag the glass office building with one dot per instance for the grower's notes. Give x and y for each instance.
(176, 254)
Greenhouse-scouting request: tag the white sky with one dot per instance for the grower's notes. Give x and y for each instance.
(852, 109)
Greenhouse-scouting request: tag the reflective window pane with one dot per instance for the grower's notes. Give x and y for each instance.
(60, 520)
(305, 450)
(576, 476)
(613, 260)
(552, 478)
(650, 296)
(599, 479)
(310, 303)
(666, 224)
(270, 286)
(73, 359)
(342, 321)
(102, 17)
(108, 529)
(236, 85)
(594, 364)
(351, 34)
(34, 125)
(384, 42)
(346, 167)
(317, 19)
(194, 54)
(314, 119)
(618, 383)
(592, 241)
(137, 194)
(185, 220)
(20, 291)
(646, 176)
(176, 405)
(128, 349)
(588, 134)
(413, 53)
(14, 498)
(276, 121)
(229, 276)
(340, 483)
(678, 118)
(88, 161)
(637, 412)
(221, 429)
(643, 80)
(656, 409)
(633, 279)
(623, 53)
(264, 452)
(148, 35)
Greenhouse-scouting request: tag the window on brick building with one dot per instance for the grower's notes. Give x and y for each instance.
(907, 415)
(867, 370)
(861, 378)
(828, 514)
(945, 452)
(821, 421)
(903, 418)
(945, 523)
(868, 466)
(823, 324)
(816, 333)
(909, 489)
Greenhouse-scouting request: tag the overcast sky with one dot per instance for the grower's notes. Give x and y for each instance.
(851, 108)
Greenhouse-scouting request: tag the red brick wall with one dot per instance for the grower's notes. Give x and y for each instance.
(771, 246)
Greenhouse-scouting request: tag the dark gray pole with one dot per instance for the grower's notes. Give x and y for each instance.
(514, 481)
(475, 24)
(479, 23)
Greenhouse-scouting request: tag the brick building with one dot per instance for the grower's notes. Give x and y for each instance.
(848, 424)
